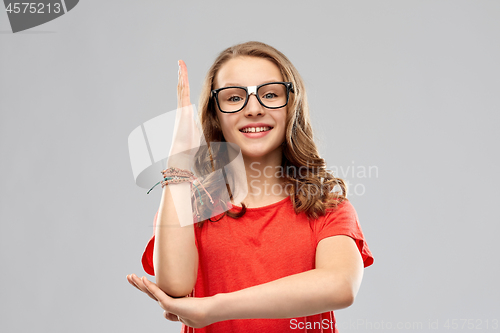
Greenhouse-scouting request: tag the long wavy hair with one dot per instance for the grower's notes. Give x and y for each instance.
(299, 150)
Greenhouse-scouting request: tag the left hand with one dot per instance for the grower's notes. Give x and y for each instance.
(195, 312)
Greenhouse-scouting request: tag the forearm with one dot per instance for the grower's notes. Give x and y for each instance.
(307, 293)
(175, 254)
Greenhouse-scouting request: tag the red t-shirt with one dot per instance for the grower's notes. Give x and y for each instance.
(266, 244)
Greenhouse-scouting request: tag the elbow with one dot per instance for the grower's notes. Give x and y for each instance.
(175, 285)
(174, 290)
(179, 294)
(345, 290)
(348, 300)
(344, 296)
(343, 301)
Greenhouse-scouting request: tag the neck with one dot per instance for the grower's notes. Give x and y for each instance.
(265, 185)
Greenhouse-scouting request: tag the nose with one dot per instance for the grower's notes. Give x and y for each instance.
(253, 106)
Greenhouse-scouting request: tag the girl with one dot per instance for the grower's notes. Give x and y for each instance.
(293, 251)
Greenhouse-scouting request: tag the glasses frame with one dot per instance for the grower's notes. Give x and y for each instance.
(253, 90)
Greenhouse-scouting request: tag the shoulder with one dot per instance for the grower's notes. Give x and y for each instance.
(343, 208)
(342, 218)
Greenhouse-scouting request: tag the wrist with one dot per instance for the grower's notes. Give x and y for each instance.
(180, 161)
(217, 309)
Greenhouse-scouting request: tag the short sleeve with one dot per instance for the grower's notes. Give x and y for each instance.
(147, 255)
(343, 220)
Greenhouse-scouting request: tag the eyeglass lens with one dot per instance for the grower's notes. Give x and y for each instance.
(271, 95)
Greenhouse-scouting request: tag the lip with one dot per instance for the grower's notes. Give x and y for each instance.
(256, 125)
(256, 135)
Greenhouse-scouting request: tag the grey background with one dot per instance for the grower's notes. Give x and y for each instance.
(410, 87)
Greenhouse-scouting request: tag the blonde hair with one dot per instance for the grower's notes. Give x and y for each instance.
(299, 149)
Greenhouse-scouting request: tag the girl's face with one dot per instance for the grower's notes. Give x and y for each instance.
(251, 71)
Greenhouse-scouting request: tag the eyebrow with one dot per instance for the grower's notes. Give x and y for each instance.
(239, 85)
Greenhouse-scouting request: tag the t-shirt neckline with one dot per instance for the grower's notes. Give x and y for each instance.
(253, 209)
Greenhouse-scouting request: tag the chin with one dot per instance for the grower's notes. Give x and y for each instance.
(254, 153)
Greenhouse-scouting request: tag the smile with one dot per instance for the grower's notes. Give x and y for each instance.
(256, 132)
(256, 129)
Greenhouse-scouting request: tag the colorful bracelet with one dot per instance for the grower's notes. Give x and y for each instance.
(175, 176)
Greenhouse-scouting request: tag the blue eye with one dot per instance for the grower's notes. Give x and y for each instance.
(235, 99)
(270, 95)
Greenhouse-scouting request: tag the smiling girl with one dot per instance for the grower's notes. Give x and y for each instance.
(293, 250)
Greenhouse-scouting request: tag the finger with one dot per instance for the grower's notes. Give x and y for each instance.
(170, 316)
(179, 86)
(135, 285)
(179, 81)
(184, 73)
(183, 96)
(129, 279)
(140, 285)
(163, 299)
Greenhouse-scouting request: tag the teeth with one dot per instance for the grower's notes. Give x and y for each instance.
(255, 129)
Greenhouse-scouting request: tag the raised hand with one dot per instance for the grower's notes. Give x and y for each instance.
(186, 133)
(182, 86)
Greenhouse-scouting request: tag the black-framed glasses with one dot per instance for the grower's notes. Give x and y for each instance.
(272, 95)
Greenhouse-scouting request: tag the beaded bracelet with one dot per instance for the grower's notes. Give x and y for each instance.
(175, 176)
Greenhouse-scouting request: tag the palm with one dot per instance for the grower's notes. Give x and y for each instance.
(192, 311)
(186, 134)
